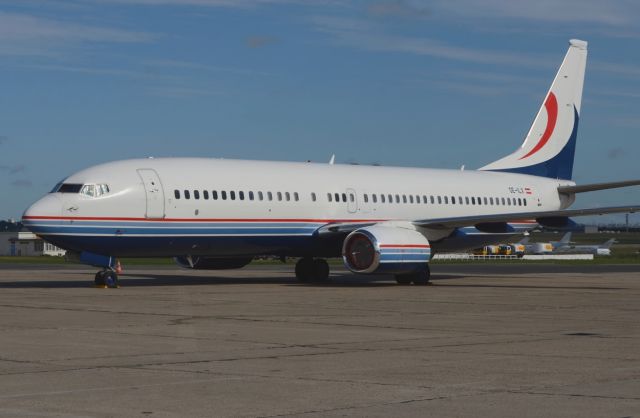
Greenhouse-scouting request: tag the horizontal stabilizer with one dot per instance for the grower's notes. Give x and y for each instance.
(461, 221)
(597, 186)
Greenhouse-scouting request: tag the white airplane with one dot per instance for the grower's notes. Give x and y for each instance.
(566, 247)
(219, 214)
(542, 247)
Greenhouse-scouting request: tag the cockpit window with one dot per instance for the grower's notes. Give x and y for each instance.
(68, 188)
(88, 190)
(91, 190)
(94, 190)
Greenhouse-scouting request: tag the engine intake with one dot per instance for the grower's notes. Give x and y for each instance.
(211, 263)
(385, 249)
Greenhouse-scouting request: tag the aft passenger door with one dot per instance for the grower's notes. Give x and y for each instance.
(154, 192)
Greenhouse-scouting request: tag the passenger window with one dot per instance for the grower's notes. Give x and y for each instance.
(224, 195)
(344, 197)
(287, 196)
(187, 195)
(433, 199)
(491, 201)
(374, 198)
(352, 198)
(232, 194)
(424, 199)
(214, 194)
(196, 194)
(382, 199)
(397, 198)
(503, 202)
(439, 200)
(417, 199)
(446, 200)
(241, 195)
(206, 194)
(329, 197)
(269, 196)
(365, 198)
(485, 201)
(313, 197)
(337, 197)
(453, 200)
(473, 200)
(524, 201)
(410, 198)
(295, 196)
(260, 196)
(251, 196)
(279, 194)
(176, 193)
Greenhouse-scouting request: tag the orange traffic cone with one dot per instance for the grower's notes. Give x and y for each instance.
(118, 267)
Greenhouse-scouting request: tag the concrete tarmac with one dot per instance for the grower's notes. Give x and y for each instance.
(485, 340)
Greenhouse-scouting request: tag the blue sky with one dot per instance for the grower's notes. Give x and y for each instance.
(411, 83)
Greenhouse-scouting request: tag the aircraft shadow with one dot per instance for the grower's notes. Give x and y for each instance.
(337, 280)
(155, 280)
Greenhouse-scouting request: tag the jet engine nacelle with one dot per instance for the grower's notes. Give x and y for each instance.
(386, 249)
(212, 263)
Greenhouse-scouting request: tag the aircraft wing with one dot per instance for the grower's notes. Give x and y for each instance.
(597, 186)
(540, 217)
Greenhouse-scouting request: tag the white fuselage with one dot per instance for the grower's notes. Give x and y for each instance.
(266, 199)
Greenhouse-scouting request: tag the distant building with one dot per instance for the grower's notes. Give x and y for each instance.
(590, 229)
(23, 243)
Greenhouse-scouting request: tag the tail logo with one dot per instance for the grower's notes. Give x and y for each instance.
(551, 105)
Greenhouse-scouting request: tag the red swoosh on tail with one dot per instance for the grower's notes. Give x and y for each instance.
(551, 104)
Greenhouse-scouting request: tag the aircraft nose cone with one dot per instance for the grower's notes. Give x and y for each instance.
(47, 207)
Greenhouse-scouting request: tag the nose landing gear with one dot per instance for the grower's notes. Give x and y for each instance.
(106, 279)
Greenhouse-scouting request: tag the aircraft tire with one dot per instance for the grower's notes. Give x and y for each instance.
(305, 269)
(404, 279)
(320, 270)
(421, 278)
(99, 279)
(111, 279)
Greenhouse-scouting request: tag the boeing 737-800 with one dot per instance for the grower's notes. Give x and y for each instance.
(218, 214)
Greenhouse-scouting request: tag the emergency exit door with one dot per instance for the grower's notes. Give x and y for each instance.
(154, 193)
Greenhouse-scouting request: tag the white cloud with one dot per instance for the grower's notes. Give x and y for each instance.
(217, 3)
(24, 34)
(612, 13)
(362, 34)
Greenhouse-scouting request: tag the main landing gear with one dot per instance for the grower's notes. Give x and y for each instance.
(421, 278)
(312, 270)
(106, 279)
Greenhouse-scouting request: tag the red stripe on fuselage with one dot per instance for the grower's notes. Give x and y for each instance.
(97, 218)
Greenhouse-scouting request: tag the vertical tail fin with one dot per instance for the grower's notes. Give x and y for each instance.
(566, 238)
(609, 243)
(549, 147)
(564, 241)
